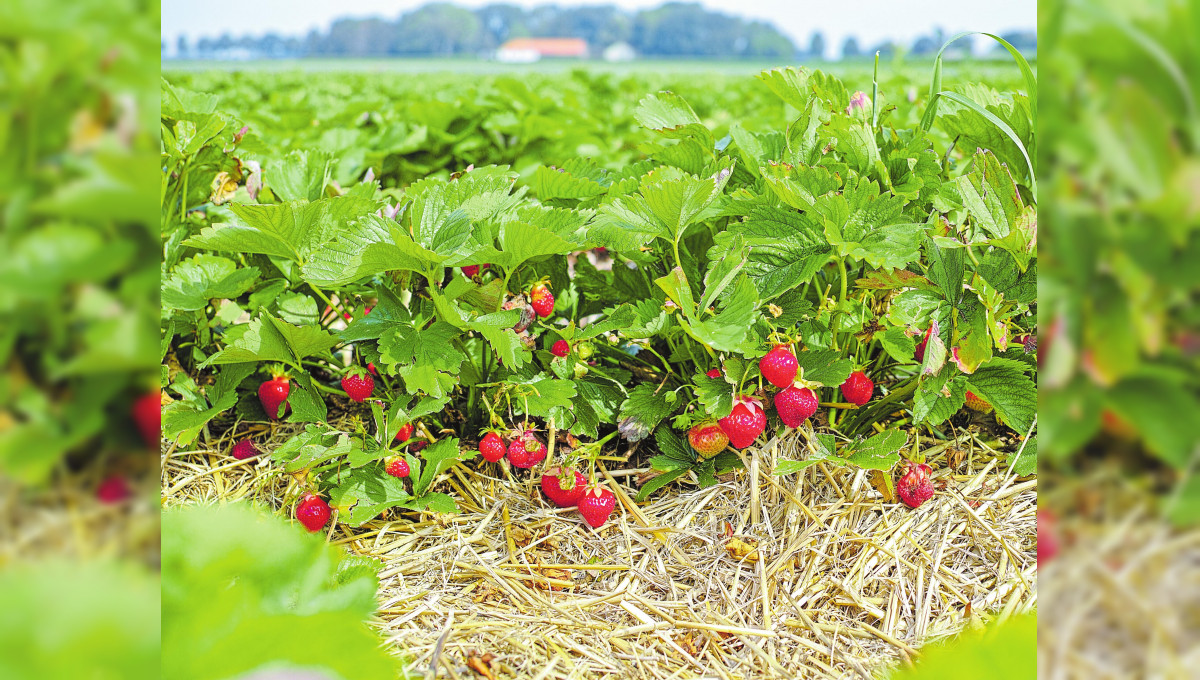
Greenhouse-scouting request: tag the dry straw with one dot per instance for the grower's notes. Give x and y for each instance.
(805, 575)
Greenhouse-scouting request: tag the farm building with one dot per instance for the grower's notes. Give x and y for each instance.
(528, 50)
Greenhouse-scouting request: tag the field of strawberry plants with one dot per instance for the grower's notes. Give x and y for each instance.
(575, 344)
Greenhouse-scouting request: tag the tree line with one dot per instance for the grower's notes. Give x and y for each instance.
(675, 29)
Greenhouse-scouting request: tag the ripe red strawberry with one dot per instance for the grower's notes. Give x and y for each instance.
(113, 490)
(245, 449)
(795, 405)
(492, 447)
(779, 366)
(975, 403)
(313, 512)
(714, 373)
(371, 368)
(273, 394)
(526, 451)
(1048, 540)
(542, 300)
(914, 486)
(358, 385)
(858, 388)
(563, 496)
(745, 422)
(405, 433)
(561, 348)
(708, 438)
(418, 446)
(147, 415)
(397, 467)
(597, 505)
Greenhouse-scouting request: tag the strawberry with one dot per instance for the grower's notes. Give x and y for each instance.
(975, 403)
(714, 373)
(542, 300)
(492, 447)
(858, 388)
(795, 405)
(358, 385)
(526, 450)
(745, 422)
(417, 446)
(914, 486)
(405, 433)
(371, 368)
(273, 394)
(397, 467)
(779, 366)
(597, 505)
(563, 496)
(1048, 543)
(561, 348)
(245, 449)
(313, 512)
(471, 270)
(147, 415)
(113, 490)
(708, 438)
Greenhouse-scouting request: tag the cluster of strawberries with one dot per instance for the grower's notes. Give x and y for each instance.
(794, 403)
(564, 488)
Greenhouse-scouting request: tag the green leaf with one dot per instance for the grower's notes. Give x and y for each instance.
(1003, 384)
(300, 175)
(1154, 407)
(898, 344)
(543, 393)
(642, 411)
(428, 359)
(1026, 463)
(786, 248)
(727, 330)
(939, 396)
(270, 339)
(291, 230)
(861, 223)
(659, 481)
(203, 277)
(990, 196)
(230, 574)
(1006, 649)
(372, 245)
(880, 452)
(668, 114)
(715, 394)
(824, 366)
(438, 458)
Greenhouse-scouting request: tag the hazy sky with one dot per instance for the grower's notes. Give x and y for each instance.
(869, 20)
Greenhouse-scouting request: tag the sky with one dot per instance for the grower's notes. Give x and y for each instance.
(871, 21)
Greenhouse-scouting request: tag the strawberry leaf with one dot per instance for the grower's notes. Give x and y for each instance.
(877, 453)
(197, 280)
(1003, 384)
(824, 366)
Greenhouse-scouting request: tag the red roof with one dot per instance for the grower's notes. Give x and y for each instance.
(550, 47)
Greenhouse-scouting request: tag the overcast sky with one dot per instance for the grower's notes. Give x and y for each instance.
(870, 20)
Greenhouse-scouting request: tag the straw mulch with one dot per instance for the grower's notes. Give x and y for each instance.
(65, 520)
(1123, 595)
(803, 575)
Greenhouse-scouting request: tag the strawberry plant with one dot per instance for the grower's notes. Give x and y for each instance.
(851, 270)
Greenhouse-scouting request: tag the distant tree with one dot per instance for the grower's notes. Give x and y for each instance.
(501, 23)
(439, 29)
(850, 48)
(816, 47)
(925, 45)
(181, 47)
(1026, 41)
